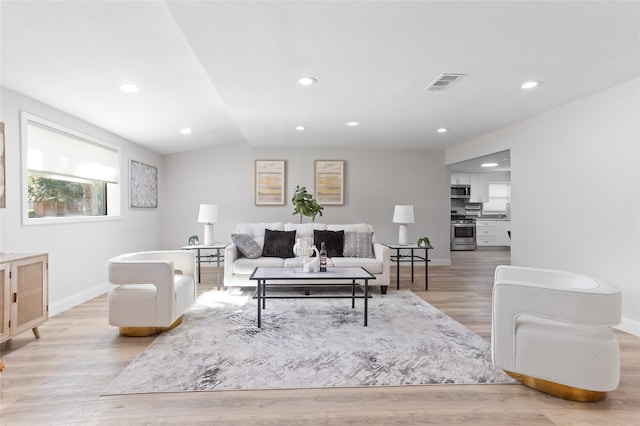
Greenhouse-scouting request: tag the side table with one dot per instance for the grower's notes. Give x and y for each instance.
(399, 257)
(208, 258)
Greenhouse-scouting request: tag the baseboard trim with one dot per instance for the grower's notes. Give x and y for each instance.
(630, 326)
(77, 299)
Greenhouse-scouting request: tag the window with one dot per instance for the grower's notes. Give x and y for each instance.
(67, 176)
(499, 197)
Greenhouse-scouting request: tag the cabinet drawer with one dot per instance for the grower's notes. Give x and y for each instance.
(486, 232)
(486, 241)
(485, 223)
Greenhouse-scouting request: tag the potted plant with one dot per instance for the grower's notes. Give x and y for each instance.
(304, 204)
(424, 242)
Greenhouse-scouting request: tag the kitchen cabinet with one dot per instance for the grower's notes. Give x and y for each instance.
(503, 227)
(493, 233)
(479, 187)
(460, 179)
(24, 300)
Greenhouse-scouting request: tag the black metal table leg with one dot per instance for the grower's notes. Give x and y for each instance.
(397, 269)
(259, 305)
(426, 269)
(353, 294)
(366, 301)
(411, 265)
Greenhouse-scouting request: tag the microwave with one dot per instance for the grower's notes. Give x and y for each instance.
(460, 191)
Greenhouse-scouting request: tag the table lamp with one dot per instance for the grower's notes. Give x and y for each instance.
(208, 215)
(403, 215)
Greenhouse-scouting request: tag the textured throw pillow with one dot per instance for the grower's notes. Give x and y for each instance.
(247, 245)
(333, 241)
(358, 244)
(278, 243)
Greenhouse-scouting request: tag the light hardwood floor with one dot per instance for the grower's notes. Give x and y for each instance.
(57, 380)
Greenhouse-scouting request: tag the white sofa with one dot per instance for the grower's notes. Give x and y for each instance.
(151, 290)
(238, 268)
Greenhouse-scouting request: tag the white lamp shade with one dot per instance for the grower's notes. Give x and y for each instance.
(403, 214)
(208, 213)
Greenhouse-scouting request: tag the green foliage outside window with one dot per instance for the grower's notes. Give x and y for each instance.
(57, 196)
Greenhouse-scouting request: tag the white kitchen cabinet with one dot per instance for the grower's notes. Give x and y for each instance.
(479, 187)
(460, 179)
(24, 302)
(502, 233)
(493, 233)
(485, 233)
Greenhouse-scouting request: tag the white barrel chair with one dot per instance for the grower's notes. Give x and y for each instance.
(551, 331)
(151, 290)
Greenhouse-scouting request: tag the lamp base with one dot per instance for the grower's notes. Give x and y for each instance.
(208, 234)
(403, 237)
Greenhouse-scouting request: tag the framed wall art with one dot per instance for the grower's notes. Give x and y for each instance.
(329, 182)
(269, 182)
(3, 197)
(143, 185)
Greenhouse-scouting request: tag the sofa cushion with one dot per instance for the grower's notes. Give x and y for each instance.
(304, 230)
(374, 266)
(334, 241)
(358, 244)
(256, 230)
(353, 227)
(244, 266)
(278, 243)
(247, 245)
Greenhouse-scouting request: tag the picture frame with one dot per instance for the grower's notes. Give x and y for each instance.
(143, 185)
(269, 182)
(3, 164)
(329, 182)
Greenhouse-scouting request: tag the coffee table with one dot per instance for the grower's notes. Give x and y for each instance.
(295, 277)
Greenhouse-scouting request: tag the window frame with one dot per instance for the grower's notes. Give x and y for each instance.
(113, 190)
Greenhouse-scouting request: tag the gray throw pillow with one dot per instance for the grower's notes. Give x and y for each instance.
(247, 245)
(358, 244)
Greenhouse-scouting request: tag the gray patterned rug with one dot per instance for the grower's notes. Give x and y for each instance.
(309, 344)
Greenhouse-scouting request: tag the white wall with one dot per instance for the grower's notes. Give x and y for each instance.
(576, 189)
(375, 180)
(77, 252)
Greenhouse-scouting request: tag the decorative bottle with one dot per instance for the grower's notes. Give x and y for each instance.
(323, 258)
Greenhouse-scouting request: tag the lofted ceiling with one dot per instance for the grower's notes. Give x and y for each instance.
(228, 70)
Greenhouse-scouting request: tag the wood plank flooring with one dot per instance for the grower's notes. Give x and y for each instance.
(57, 380)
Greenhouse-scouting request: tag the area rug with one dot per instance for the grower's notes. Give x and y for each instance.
(309, 344)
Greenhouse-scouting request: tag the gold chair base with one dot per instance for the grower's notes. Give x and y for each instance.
(558, 390)
(147, 331)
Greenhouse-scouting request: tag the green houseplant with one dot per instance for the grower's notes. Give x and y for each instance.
(304, 204)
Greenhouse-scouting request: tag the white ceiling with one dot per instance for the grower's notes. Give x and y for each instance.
(228, 69)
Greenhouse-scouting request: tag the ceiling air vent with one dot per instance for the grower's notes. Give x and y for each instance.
(443, 82)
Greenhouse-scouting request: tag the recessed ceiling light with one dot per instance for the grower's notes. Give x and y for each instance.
(489, 165)
(306, 80)
(301, 128)
(352, 123)
(530, 84)
(443, 130)
(129, 87)
(185, 131)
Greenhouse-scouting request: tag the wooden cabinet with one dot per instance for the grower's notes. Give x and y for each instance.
(24, 299)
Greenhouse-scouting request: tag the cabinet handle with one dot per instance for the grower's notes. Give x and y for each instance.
(15, 297)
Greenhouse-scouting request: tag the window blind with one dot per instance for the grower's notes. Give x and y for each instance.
(57, 152)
